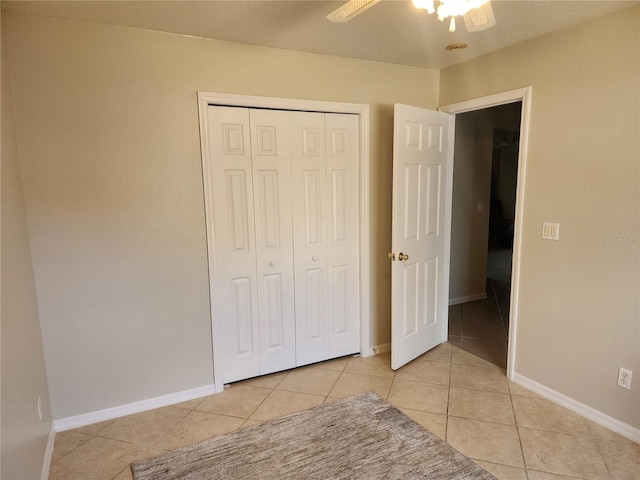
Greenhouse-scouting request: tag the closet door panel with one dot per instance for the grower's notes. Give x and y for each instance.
(308, 171)
(343, 233)
(234, 302)
(285, 277)
(274, 241)
(313, 183)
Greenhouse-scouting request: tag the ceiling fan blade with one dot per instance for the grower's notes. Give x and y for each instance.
(480, 18)
(350, 9)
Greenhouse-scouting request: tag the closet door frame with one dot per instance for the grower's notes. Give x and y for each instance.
(205, 99)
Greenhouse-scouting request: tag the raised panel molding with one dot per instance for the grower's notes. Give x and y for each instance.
(340, 312)
(338, 204)
(312, 207)
(269, 208)
(434, 136)
(274, 311)
(242, 315)
(430, 297)
(266, 140)
(315, 304)
(310, 142)
(338, 142)
(412, 180)
(237, 210)
(233, 139)
(410, 300)
(413, 137)
(432, 223)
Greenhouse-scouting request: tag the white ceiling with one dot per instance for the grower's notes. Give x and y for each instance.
(392, 31)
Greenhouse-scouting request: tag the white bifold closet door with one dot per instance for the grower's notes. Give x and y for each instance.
(285, 207)
(325, 226)
(343, 241)
(274, 262)
(253, 307)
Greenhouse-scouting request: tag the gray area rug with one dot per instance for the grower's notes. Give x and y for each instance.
(361, 437)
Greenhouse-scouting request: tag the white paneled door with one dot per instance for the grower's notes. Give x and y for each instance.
(324, 173)
(422, 186)
(270, 155)
(342, 228)
(285, 276)
(235, 296)
(308, 172)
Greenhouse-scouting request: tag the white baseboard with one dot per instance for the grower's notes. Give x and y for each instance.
(380, 349)
(586, 411)
(69, 423)
(468, 298)
(48, 453)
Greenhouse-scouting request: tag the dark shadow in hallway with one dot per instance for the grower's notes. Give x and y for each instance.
(482, 327)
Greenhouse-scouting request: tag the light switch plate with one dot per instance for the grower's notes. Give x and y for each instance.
(550, 231)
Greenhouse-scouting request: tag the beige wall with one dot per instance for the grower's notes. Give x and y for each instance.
(108, 129)
(472, 185)
(579, 305)
(24, 436)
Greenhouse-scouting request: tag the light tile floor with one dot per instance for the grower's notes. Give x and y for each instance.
(482, 327)
(465, 400)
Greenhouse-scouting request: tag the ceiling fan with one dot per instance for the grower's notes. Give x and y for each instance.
(478, 14)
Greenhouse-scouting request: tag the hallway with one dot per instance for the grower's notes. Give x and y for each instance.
(482, 327)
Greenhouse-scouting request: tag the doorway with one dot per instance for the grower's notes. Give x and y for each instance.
(484, 200)
(502, 209)
(488, 129)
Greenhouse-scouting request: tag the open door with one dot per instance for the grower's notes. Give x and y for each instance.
(421, 231)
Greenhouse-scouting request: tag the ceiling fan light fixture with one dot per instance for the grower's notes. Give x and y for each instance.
(350, 9)
(454, 8)
(425, 4)
(480, 18)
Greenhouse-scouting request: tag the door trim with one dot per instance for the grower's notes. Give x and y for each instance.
(519, 95)
(204, 100)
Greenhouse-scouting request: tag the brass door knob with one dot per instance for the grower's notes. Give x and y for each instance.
(391, 256)
(403, 256)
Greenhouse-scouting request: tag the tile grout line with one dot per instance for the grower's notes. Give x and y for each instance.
(273, 389)
(393, 381)
(517, 425)
(337, 379)
(461, 327)
(598, 446)
(446, 423)
(128, 467)
(495, 298)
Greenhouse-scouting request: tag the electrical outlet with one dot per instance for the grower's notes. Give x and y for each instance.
(624, 378)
